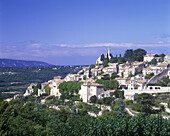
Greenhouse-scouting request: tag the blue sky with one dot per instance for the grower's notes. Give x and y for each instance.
(71, 32)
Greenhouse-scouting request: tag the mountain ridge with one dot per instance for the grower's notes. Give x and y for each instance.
(21, 63)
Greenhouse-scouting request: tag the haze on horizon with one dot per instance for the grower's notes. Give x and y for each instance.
(76, 32)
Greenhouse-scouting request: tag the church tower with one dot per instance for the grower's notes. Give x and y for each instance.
(98, 61)
(108, 53)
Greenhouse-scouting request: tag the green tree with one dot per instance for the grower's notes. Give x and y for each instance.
(146, 100)
(90, 75)
(121, 60)
(162, 56)
(154, 61)
(107, 57)
(39, 86)
(47, 90)
(149, 76)
(166, 80)
(118, 94)
(102, 57)
(69, 89)
(113, 60)
(92, 66)
(108, 84)
(108, 100)
(1, 97)
(93, 99)
(114, 75)
(35, 90)
(111, 55)
(139, 54)
(105, 62)
(129, 55)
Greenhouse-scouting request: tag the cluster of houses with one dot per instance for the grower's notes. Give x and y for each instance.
(131, 77)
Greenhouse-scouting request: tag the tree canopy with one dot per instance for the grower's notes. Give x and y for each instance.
(68, 89)
(129, 55)
(144, 103)
(37, 119)
(139, 54)
(108, 84)
(93, 99)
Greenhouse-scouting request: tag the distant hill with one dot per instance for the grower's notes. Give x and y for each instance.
(21, 63)
(18, 78)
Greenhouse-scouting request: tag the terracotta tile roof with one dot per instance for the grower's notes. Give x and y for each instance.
(129, 95)
(138, 63)
(163, 65)
(128, 82)
(142, 81)
(147, 55)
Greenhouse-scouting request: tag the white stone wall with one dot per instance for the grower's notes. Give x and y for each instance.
(148, 58)
(54, 91)
(40, 91)
(122, 81)
(83, 93)
(148, 90)
(149, 71)
(87, 92)
(169, 73)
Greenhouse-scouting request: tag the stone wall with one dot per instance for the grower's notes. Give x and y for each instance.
(157, 77)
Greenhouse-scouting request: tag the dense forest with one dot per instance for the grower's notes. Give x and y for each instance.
(28, 117)
(18, 78)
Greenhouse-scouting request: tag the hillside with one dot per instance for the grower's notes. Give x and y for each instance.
(18, 78)
(21, 63)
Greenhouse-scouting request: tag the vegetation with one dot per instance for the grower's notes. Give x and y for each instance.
(108, 84)
(106, 101)
(136, 55)
(35, 90)
(154, 61)
(69, 89)
(119, 94)
(139, 54)
(47, 90)
(93, 99)
(17, 118)
(18, 78)
(162, 57)
(90, 75)
(145, 102)
(149, 76)
(114, 75)
(129, 55)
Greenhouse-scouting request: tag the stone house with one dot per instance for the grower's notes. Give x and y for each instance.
(149, 57)
(90, 89)
(167, 59)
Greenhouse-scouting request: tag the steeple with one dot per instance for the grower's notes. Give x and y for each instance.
(108, 52)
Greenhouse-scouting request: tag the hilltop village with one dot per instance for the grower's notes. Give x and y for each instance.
(127, 77)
